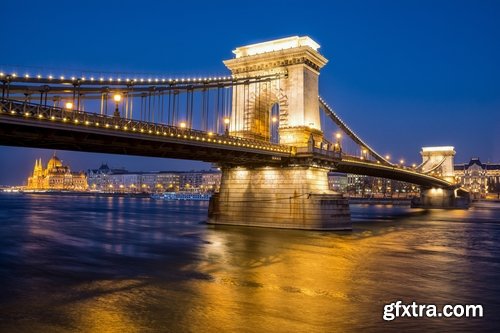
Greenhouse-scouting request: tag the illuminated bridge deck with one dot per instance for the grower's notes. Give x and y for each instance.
(32, 125)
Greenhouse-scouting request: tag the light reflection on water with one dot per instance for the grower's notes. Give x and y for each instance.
(95, 264)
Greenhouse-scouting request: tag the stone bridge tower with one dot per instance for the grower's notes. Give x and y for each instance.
(288, 196)
(296, 93)
(438, 161)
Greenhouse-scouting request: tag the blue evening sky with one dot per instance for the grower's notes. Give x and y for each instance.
(402, 74)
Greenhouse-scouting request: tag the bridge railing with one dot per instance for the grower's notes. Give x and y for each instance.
(77, 118)
(323, 152)
(354, 158)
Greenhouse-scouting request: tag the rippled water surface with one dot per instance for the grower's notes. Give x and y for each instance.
(96, 264)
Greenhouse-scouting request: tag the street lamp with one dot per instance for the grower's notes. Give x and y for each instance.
(68, 106)
(338, 136)
(117, 98)
(183, 125)
(387, 157)
(226, 122)
(363, 153)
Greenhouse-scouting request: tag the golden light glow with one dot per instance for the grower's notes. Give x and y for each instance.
(438, 149)
(117, 98)
(387, 157)
(274, 119)
(226, 121)
(275, 45)
(401, 161)
(69, 105)
(183, 125)
(51, 178)
(338, 135)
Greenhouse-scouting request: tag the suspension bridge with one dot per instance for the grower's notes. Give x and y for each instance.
(264, 124)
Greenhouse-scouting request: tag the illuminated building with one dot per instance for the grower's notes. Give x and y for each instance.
(106, 179)
(366, 186)
(169, 181)
(210, 180)
(481, 179)
(56, 177)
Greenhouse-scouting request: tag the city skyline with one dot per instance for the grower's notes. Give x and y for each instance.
(430, 83)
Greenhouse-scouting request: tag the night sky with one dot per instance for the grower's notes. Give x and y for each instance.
(402, 74)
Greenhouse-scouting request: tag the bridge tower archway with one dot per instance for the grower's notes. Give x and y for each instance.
(292, 67)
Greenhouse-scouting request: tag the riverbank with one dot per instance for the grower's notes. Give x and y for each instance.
(87, 194)
(380, 201)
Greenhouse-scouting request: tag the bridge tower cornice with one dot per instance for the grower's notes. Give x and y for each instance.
(276, 62)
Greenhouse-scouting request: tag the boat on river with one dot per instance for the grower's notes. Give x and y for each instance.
(191, 196)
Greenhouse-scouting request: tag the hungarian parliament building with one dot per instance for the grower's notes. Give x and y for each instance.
(56, 176)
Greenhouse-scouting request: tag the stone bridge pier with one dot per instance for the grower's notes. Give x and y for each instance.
(442, 198)
(287, 197)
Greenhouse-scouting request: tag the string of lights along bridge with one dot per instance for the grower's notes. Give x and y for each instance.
(203, 103)
(266, 114)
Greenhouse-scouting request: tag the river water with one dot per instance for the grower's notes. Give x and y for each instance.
(99, 264)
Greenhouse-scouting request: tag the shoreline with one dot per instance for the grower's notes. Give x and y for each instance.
(85, 194)
(379, 201)
(353, 201)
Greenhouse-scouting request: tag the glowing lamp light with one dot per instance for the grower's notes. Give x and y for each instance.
(117, 98)
(401, 161)
(226, 121)
(183, 125)
(69, 105)
(274, 119)
(338, 135)
(387, 157)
